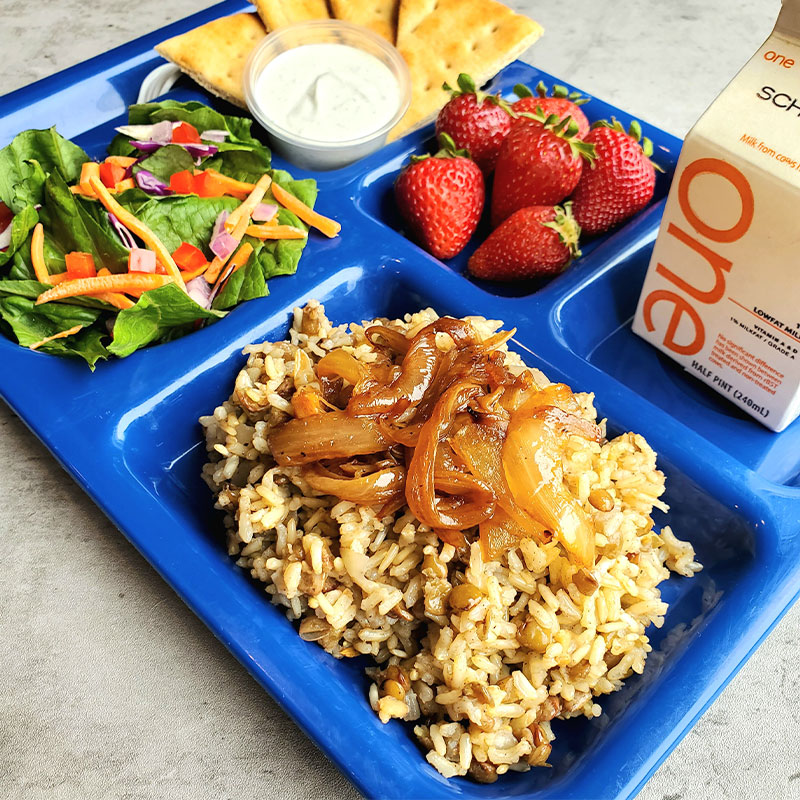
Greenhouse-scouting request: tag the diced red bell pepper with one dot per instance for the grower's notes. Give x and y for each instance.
(141, 260)
(111, 174)
(208, 185)
(188, 257)
(182, 182)
(80, 265)
(185, 134)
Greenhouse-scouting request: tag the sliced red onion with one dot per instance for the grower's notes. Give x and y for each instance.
(123, 233)
(160, 132)
(5, 237)
(149, 183)
(198, 150)
(264, 212)
(145, 146)
(136, 131)
(214, 135)
(200, 290)
(219, 223)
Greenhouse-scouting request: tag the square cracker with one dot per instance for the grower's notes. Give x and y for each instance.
(277, 13)
(214, 54)
(379, 16)
(441, 38)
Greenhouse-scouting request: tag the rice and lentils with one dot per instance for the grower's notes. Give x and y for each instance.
(479, 655)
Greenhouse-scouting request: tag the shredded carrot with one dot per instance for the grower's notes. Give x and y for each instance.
(249, 204)
(233, 187)
(121, 186)
(59, 277)
(189, 275)
(239, 259)
(37, 254)
(115, 299)
(59, 335)
(138, 228)
(104, 283)
(89, 170)
(275, 232)
(121, 161)
(218, 264)
(76, 189)
(324, 225)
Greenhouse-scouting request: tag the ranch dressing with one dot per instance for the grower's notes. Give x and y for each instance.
(328, 92)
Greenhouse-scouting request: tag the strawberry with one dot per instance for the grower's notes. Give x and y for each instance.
(441, 198)
(533, 242)
(476, 121)
(540, 164)
(561, 102)
(621, 181)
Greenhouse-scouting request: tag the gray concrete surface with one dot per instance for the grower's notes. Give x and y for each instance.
(111, 688)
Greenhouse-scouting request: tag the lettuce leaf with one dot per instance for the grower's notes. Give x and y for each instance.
(165, 162)
(270, 257)
(31, 323)
(21, 182)
(155, 316)
(75, 223)
(241, 165)
(203, 117)
(180, 218)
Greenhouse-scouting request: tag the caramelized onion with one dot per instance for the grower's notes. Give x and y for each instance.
(529, 400)
(340, 364)
(532, 466)
(500, 533)
(382, 486)
(480, 447)
(331, 435)
(417, 372)
(421, 483)
(395, 340)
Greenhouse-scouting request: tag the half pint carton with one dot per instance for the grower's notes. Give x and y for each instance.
(722, 292)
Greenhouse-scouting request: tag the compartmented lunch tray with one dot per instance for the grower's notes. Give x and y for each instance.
(134, 445)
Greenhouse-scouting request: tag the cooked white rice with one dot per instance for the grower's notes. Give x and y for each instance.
(481, 655)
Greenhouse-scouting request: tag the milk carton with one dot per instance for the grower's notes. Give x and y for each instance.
(722, 292)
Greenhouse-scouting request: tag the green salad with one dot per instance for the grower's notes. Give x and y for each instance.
(183, 220)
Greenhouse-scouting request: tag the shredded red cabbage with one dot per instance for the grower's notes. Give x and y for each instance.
(149, 183)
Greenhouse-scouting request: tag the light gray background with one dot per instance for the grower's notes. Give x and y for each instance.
(111, 688)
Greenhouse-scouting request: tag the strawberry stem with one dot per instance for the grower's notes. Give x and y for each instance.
(521, 90)
(466, 85)
(635, 132)
(567, 228)
(559, 91)
(566, 129)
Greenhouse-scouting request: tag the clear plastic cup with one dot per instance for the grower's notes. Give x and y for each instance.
(312, 153)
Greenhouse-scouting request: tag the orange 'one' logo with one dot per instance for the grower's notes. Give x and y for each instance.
(719, 265)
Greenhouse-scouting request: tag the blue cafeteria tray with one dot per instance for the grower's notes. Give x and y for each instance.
(134, 446)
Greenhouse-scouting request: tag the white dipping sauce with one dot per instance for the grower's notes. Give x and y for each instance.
(328, 92)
